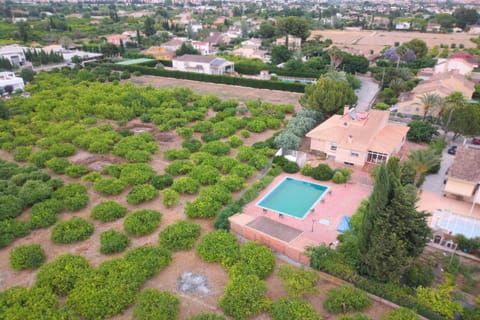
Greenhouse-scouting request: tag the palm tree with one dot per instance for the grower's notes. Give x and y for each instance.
(397, 85)
(429, 102)
(423, 161)
(452, 102)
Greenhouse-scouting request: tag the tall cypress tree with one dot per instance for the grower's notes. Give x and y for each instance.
(392, 230)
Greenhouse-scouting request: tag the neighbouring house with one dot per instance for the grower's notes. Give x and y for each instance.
(9, 79)
(293, 42)
(463, 179)
(173, 45)
(403, 25)
(251, 53)
(252, 43)
(117, 39)
(461, 65)
(202, 46)
(203, 64)
(380, 23)
(442, 84)
(433, 27)
(358, 138)
(159, 53)
(13, 53)
(475, 30)
(217, 38)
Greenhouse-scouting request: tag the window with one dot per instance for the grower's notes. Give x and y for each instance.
(354, 154)
(333, 146)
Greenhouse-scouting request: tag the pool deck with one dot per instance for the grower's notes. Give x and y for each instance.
(343, 200)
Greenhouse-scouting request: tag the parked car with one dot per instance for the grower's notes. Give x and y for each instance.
(452, 150)
(476, 140)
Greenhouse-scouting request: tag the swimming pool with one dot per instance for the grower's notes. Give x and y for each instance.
(293, 197)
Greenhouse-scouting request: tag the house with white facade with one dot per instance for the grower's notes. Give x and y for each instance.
(13, 53)
(202, 46)
(9, 79)
(202, 64)
(403, 25)
(293, 42)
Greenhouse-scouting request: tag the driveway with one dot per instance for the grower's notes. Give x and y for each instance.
(434, 182)
(366, 94)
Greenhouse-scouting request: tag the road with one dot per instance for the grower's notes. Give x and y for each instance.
(366, 94)
(434, 182)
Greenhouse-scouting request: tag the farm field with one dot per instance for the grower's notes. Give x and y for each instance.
(365, 40)
(121, 144)
(223, 91)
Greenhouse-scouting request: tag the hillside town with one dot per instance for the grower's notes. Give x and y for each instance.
(231, 159)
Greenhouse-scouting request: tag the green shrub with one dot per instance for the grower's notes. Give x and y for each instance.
(45, 213)
(257, 125)
(216, 148)
(173, 154)
(257, 259)
(322, 172)
(186, 185)
(232, 183)
(11, 229)
(108, 211)
(245, 133)
(73, 196)
(209, 137)
(346, 299)
(29, 256)
(162, 181)
(243, 170)
(34, 191)
(22, 153)
(338, 178)
(10, 207)
(137, 173)
(61, 275)
(57, 165)
(141, 193)
(41, 157)
(185, 133)
(152, 304)
(401, 314)
(170, 197)
(179, 236)
(76, 170)
(207, 316)
(235, 142)
(72, 230)
(420, 275)
(193, 145)
(178, 167)
(243, 297)
(219, 246)
(202, 126)
(205, 174)
(292, 308)
(112, 241)
(306, 170)
(298, 282)
(142, 222)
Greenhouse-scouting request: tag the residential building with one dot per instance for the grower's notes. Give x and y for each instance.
(159, 53)
(358, 138)
(202, 64)
(446, 65)
(173, 45)
(202, 46)
(475, 30)
(9, 79)
(293, 42)
(463, 180)
(217, 38)
(433, 27)
(117, 39)
(442, 84)
(252, 43)
(251, 53)
(13, 53)
(403, 25)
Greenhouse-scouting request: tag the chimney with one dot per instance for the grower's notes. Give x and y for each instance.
(345, 109)
(349, 138)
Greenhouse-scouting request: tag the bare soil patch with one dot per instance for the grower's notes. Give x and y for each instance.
(222, 90)
(366, 40)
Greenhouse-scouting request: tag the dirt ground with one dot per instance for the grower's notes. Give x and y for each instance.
(365, 40)
(223, 91)
(167, 279)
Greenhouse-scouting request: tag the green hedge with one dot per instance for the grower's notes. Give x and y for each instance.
(244, 82)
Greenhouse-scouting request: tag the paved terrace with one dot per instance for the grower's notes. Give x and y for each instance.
(272, 229)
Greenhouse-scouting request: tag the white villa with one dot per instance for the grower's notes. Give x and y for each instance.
(9, 79)
(203, 64)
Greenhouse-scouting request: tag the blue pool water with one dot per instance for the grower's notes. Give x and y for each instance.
(293, 197)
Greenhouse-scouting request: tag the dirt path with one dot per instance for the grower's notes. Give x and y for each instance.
(222, 90)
